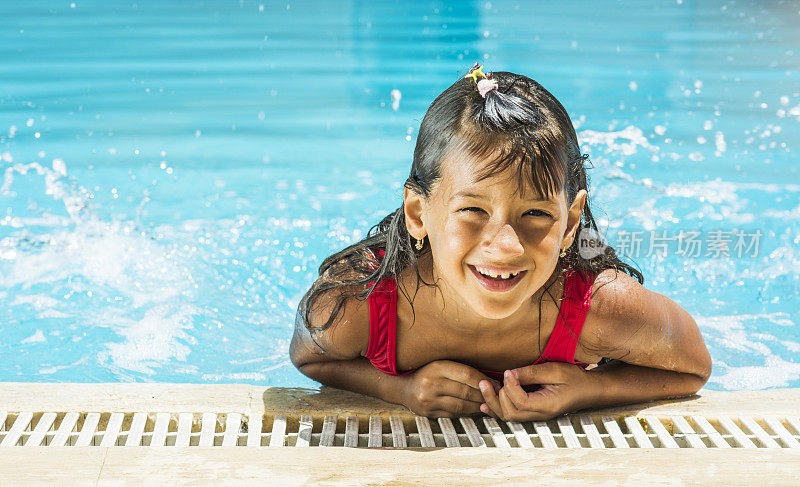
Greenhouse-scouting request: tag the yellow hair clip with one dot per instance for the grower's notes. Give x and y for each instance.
(486, 84)
(475, 71)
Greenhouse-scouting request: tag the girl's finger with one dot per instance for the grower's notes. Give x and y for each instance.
(486, 410)
(459, 390)
(464, 373)
(519, 414)
(545, 373)
(490, 398)
(515, 392)
(458, 407)
(509, 410)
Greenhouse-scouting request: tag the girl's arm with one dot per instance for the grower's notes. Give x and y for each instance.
(342, 366)
(438, 389)
(624, 383)
(658, 348)
(659, 344)
(640, 327)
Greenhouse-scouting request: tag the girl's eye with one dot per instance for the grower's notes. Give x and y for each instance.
(538, 213)
(531, 212)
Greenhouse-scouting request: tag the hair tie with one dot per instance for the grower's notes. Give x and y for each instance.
(485, 85)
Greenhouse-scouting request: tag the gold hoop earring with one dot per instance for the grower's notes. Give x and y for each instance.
(419, 243)
(563, 253)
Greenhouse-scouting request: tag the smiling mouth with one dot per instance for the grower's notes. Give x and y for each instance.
(496, 284)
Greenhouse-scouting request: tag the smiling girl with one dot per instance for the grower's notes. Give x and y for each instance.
(502, 310)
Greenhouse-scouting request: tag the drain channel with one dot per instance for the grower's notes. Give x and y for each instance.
(236, 429)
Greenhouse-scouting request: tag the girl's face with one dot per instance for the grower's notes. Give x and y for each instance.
(483, 232)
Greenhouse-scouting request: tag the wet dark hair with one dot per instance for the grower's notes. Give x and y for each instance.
(519, 126)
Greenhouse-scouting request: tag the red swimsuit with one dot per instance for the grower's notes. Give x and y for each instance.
(382, 349)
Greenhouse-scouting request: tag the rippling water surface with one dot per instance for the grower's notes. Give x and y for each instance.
(172, 173)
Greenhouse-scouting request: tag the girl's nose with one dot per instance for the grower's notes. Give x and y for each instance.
(506, 242)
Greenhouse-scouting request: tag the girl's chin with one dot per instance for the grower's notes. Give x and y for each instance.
(494, 313)
(492, 306)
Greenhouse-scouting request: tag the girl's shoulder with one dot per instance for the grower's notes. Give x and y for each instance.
(613, 291)
(609, 277)
(622, 311)
(630, 323)
(348, 334)
(610, 289)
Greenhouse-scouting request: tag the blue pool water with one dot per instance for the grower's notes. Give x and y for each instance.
(173, 172)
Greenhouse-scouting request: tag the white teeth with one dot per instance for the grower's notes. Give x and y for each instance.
(490, 273)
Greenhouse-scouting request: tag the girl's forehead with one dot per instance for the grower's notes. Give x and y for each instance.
(464, 176)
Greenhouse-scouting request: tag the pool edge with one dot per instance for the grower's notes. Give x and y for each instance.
(157, 397)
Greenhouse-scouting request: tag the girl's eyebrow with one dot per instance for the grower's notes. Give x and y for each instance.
(465, 194)
(468, 194)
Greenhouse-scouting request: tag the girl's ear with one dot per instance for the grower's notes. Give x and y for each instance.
(574, 217)
(413, 208)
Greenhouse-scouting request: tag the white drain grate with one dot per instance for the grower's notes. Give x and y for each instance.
(235, 429)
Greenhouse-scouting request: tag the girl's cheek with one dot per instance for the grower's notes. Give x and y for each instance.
(542, 237)
(460, 231)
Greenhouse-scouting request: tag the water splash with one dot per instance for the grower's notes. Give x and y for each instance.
(105, 274)
(767, 359)
(58, 185)
(625, 142)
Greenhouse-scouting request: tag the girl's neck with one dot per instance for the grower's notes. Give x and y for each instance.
(443, 306)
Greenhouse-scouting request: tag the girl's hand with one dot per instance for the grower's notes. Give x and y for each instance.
(445, 389)
(565, 387)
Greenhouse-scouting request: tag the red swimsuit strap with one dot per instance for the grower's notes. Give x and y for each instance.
(382, 349)
(572, 315)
